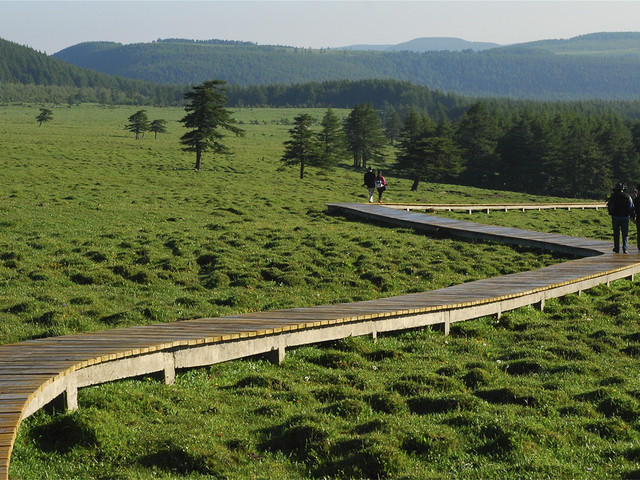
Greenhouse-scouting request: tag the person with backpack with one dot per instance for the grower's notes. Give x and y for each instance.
(621, 209)
(381, 185)
(370, 182)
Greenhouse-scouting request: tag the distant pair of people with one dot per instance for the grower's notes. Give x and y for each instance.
(375, 182)
(623, 208)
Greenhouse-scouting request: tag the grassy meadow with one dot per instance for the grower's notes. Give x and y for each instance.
(98, 231)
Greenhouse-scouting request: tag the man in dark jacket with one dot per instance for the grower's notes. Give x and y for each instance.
(370, 182)
(621, 210)
(636, 206)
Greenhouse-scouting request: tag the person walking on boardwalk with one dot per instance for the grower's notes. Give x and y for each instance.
(620, 206)
(636, 207)
(381, 185)
(370, 182)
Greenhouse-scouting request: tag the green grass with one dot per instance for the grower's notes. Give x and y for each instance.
(100, 231)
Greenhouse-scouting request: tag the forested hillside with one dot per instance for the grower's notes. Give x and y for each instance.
(29, 76)
(602, 66)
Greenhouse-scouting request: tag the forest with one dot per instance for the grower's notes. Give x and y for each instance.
(30, 76)
(603, 66)
(531, 150)
(538, 151)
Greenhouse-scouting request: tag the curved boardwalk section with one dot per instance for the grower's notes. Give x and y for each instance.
(35, 372)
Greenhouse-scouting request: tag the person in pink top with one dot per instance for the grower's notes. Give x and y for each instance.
(381, 185)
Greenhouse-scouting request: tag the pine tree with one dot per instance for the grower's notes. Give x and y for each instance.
(331, 138)
(303, 147)
(437, 157)
(44, 116)
(364, 135)
(477, 137)
(138, 123)
(409, 155)
(158, 126)
(206, 115)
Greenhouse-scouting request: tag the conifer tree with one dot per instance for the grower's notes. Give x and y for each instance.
(44, 116)
(206, 115)
(303, 147)
(331, 138)
(364, 135)
(138, 123)
(477, 137)
(158, 126)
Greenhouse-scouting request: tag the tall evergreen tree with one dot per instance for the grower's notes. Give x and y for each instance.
(477, 137)
(138, 123)
(206, 116)
(409, 156)
(364, 135)
(440, 155)
(331, 138)
(589, 169)
(616, 141)
(522, 150)
(392, 123)
(158, 126)
(45, 116)
(303, 147)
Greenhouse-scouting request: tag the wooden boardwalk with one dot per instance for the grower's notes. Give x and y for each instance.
(35, 372)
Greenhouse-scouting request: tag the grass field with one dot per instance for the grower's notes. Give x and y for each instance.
(99, 230)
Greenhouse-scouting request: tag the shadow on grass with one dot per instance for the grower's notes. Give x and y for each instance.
(174, 459)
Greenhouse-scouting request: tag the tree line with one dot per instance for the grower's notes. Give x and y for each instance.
(562, 153)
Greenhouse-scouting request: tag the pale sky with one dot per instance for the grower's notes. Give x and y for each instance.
(50, 26)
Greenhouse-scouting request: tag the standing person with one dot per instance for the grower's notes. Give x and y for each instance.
(636, 207)
(381, 185)
(370, 182)
(621, 209)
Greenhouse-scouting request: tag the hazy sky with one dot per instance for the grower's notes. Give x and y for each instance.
(50, 26)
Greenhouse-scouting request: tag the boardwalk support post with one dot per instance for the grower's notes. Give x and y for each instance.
(169, 368)
(71, 394)
(447, 322)
(540, 304)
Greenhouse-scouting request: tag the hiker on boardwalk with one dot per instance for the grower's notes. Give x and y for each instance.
(370, 182)
(636, 207)
(621, 209)
(381, 185)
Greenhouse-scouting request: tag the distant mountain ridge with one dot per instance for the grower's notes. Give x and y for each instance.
(595, 66)
(428, 44)
(602, 66)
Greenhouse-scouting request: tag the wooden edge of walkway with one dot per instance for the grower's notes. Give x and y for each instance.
(16, 402)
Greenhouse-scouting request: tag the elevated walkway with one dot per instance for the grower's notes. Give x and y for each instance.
(35, 372)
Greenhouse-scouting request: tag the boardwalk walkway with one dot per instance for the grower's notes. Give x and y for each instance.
(35, 372)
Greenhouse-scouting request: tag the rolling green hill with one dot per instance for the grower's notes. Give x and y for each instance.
(28, 75)
(597, 66)
(609, 44)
